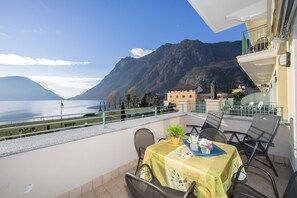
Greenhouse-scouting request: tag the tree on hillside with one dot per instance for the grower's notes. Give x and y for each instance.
(144, 101)
(150, 99)
(112, 97)
(133, 95)
(128, 99)
(133, 91)
(135, 100)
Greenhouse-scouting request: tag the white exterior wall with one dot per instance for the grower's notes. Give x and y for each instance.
(58, 169)
(292, 95)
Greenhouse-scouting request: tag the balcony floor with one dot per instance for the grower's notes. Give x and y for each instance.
(117, 188)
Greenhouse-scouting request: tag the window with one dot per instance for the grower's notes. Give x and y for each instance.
(190, 96)
(183, 96)
(176, 96)
(170, 96)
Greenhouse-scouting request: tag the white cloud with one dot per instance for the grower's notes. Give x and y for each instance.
(139, 52)
(66, 86)
(12, 59)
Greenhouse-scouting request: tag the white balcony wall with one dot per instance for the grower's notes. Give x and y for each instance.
(54, 170)
(57, 169)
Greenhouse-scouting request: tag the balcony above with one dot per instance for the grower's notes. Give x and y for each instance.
(258, 57)
(235, 12)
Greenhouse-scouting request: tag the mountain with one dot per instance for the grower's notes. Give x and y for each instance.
(190, 62)
(22, 88)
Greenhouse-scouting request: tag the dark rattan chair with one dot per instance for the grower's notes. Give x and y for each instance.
(213, 134)
(213, 120)
(142, 139)
(240, 188)
(258, 138)
(151, 188)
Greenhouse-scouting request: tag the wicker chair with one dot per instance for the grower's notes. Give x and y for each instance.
(258, 138)
(213, 120)
(151, 188)
(142, 139)
(213, 134)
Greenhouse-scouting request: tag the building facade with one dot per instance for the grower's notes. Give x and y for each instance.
(183, 93)
(269, 48)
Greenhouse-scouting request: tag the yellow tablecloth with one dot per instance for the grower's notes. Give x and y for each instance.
(176, 167)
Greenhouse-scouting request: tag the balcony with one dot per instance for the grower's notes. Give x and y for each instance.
(90, 161)
(255, 40)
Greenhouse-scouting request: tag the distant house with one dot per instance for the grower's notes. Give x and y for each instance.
(184, 93)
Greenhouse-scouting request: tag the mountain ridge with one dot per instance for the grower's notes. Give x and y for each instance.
(190, 62)
(17, 88)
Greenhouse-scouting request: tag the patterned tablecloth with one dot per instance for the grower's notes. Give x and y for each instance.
(176, 167)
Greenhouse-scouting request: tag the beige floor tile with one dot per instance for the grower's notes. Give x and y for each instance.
(99, 190)
(90, 194)
(105, 195)
(120, 195)
(65, 195)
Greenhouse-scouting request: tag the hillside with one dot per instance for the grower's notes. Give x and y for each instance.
(189, 62)
(22, 88)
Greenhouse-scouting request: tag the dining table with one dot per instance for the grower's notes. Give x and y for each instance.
(176, 166)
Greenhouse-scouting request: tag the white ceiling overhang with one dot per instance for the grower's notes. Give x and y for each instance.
(220, 15)
(259, 66)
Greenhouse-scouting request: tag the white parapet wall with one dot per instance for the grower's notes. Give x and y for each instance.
(51, 170)
(49, 165)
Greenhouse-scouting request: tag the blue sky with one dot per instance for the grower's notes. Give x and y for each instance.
(68, 46)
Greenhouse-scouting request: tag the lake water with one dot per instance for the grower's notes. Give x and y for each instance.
(28, 110)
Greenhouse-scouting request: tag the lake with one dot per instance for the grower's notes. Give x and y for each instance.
(30, 110)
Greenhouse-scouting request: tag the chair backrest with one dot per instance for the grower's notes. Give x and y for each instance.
(213, 120)
(291, 190)
(140, 188)
(264, 127)
(143, 138)
(213, 134)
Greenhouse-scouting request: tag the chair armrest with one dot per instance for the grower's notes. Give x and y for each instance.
(193, 125)
(234, 132)
(259, 141)
(190, 190)
(161, 139)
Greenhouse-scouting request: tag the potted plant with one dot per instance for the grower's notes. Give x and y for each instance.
(175, 132)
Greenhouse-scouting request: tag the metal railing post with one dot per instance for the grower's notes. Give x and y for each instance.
(282, 113)
(103, 119)
(156, 111)
(183, 108)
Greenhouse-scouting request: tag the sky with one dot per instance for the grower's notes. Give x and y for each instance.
(69, 46)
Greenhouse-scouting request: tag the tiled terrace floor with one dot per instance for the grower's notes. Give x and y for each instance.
(117, 188)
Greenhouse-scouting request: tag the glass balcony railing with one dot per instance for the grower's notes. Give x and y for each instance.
(255, 40)
(10, 129)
